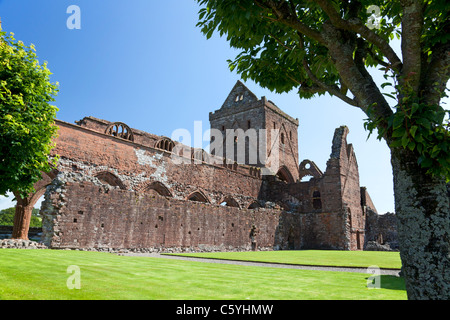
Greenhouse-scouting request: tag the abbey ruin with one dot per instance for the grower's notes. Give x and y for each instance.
(122, 188)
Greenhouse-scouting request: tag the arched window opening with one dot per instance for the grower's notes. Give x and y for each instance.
(158, 188)
(198, 197)
(120, 130)
(229, 202)
(165, 144)
(283, 174)
(317, 201)
(111, 179)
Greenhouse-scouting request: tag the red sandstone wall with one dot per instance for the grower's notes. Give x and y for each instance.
(103, 152)
(344, 154)
(288, 152)
(88, 217)
(323, 231)
(84, 215)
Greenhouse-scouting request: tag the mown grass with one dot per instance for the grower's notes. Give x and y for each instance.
(364, 259)
(42, 275)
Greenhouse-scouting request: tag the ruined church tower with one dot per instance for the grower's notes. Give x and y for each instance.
(256, 132)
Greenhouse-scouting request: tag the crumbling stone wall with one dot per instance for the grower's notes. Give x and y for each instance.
(330, 203)
(104, 196)
(381, 230)
(117, 187)
(85, 215)
(89, 153)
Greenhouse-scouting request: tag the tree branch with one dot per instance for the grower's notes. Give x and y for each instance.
(280, 42)
(355, 25)
(331, 90)
(360, 83)
(377, 59)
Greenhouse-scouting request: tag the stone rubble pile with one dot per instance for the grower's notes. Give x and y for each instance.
(20, 244)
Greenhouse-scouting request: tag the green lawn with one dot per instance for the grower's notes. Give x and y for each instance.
(365, 259)
(42, 274)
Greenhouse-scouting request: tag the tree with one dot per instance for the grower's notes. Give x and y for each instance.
(27, 128)
(27, 119)
(326, 46)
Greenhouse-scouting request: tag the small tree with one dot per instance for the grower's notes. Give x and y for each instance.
(327, 46)
(26, 118)
(27, 126)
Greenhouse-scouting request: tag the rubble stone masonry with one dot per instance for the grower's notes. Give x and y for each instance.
(122, 188)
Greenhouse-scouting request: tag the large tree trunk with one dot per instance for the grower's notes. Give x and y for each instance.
(22, 218)
(422, 208)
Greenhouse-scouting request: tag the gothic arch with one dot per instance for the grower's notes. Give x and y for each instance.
(158, 187)
(230, 202)
(198, 196)
(111, 179)
(285, 175)
(309, 168)
(25, 205)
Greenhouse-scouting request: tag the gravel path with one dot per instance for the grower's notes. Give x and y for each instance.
(392, 272)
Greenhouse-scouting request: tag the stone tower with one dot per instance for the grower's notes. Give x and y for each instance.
(253, 131)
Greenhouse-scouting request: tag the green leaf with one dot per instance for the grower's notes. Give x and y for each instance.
(413, 131)
(386, 84)
(396, 143)
(405, 140)
(398, 121)
(390, 96)
(400, 132)
(423, 122)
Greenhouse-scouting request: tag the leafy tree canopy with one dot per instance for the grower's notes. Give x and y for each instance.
(324, 46)
(26, 118)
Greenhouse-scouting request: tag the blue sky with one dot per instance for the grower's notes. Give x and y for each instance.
(145, 63)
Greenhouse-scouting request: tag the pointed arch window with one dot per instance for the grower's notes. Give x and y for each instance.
(159, 188)
(285, 175)
(107, 177)
(229, 202)
(198, 197)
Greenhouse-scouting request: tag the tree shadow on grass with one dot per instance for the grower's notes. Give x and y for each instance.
(387, 282)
